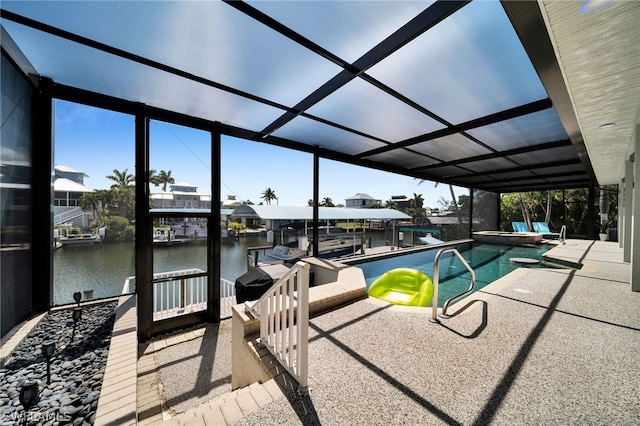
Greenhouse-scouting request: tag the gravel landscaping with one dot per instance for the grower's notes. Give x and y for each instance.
(70, 394)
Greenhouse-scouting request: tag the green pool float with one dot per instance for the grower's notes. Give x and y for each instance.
(403, 286)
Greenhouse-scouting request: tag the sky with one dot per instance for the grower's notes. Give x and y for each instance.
(97, 142)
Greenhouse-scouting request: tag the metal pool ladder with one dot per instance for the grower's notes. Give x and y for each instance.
(436, 273)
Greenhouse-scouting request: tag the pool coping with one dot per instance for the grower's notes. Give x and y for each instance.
(355, 260)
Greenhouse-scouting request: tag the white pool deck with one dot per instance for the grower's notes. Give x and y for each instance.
(539, 346)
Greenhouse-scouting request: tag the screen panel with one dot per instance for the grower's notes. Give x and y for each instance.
(474, 56)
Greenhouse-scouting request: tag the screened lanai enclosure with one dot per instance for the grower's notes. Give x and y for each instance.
(470, 94)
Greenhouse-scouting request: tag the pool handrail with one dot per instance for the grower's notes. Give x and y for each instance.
(436, 279)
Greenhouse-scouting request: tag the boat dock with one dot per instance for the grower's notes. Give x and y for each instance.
(75, 240)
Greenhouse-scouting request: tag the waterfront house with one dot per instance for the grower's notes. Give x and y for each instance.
(181, 196)
(401, 201)
(68, 186)
(361, 201)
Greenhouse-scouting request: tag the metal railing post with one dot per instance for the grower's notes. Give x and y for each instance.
(436, 275)
(436, 279)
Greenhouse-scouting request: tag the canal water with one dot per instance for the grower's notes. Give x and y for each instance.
(104, 268)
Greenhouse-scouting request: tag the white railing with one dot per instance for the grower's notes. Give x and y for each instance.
(284, 322)
(129, 284)
(184, 295)
(68, 215)
(227, 298)
(177, 296)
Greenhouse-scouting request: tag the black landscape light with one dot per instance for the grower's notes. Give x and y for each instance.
(76, 315)
(48, 348)
(77, 296)
(28, 396)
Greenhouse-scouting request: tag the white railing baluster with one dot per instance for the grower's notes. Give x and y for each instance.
(282, 316)
(276, 313)
(193, 290)
(264, 325)
(272, 310)
(291, 296)
(161, 307)
(173, 295)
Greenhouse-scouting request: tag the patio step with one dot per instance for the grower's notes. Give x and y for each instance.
(225, 409)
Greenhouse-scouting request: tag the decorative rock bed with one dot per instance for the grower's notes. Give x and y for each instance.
(76, 368)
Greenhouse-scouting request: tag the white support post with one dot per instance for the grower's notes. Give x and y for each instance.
(627, 210)
(635, 216)
(302, 357)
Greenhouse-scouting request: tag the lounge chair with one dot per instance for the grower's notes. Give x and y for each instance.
(543, 228)
(519, 227)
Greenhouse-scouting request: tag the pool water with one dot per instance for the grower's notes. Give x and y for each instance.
(489, 262)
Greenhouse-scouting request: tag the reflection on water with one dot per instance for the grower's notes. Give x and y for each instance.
(104, 268)
(489, 262)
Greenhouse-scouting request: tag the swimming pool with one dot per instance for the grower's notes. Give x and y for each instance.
(488, 261)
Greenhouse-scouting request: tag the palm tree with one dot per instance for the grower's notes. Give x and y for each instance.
(125, 202)
(106, 198)
(327, 202)
(122, 196)
(164, 178)
(268, 195)
(454, 202)
(122, 178)
(417, 201)
(390, 204)
(91, 201)
(153, 178)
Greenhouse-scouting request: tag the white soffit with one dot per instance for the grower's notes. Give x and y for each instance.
(598, 48)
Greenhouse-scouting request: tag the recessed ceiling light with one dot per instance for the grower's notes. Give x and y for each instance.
(607, 126)
(593, 5)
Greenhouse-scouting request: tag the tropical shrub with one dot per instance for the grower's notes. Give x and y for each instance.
(118, 229)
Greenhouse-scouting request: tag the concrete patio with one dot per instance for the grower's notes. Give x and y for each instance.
(540, 346)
